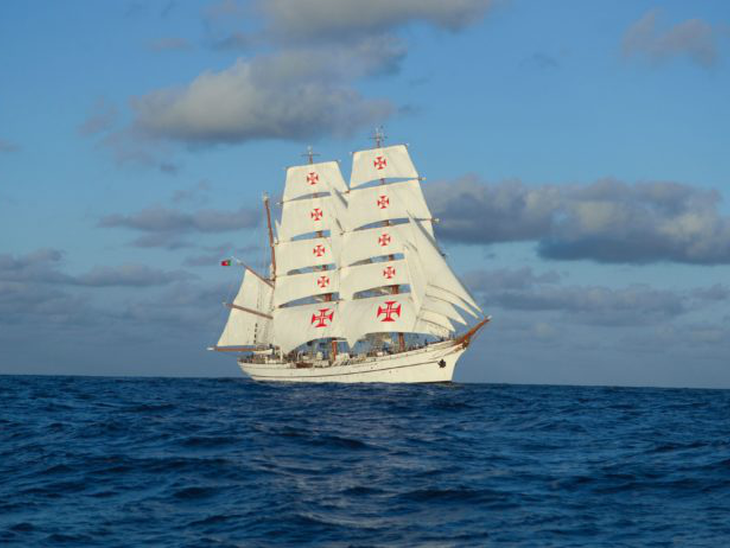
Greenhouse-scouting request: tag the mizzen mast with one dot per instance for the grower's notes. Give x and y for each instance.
(271, 236)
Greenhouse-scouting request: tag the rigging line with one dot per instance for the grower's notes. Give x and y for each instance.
(252, 271)
(235, 348)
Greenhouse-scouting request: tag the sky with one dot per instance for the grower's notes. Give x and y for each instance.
(576, 154)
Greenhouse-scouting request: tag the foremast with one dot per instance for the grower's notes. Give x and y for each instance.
(271, 237)
(307, 250)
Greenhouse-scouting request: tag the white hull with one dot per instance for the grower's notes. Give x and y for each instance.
(434, 363)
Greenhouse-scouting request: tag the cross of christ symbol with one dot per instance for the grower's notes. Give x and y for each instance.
(320, 320)
(384, 239)
(380, 162)
(389, 272)
(383, 202)
(318, 250)
(389, 310)
(316, 214)
(323, 281)
(312, 178)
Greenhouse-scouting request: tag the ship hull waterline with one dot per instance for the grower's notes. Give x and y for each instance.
(435, 363)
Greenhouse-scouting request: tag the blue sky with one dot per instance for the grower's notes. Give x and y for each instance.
(576, 153)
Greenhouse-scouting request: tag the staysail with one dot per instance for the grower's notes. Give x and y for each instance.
(249, 322)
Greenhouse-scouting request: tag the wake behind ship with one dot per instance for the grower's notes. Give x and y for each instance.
(358, 290)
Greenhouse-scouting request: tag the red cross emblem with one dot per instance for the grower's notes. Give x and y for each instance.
(316, 214)
(391, 308)
(389, 272)
(318, 250)
(323, 281)
(322, 317)
(312, 178)
(380, 162)
(384, 239)
(383, 202)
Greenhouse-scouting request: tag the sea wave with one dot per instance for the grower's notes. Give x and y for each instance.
(228, 462)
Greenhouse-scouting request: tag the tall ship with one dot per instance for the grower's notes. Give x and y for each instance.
(358, 289)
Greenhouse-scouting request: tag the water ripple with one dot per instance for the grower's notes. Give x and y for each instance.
(228, 462)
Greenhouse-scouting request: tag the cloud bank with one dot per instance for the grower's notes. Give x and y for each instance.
(523, 290)
(162, 219)
(43, 266)
(608, 221)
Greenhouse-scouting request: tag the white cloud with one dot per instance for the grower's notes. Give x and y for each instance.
(317, 20)
(291, 95)
(304, 87)
(693, 37)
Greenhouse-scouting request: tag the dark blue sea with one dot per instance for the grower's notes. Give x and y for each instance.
(228, 462)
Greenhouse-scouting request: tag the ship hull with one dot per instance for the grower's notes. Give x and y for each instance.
(435, 363)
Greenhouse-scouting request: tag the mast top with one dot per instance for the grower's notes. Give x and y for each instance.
(379, 137)
(310, 154)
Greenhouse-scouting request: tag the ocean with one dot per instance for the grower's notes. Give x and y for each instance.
(93, 461)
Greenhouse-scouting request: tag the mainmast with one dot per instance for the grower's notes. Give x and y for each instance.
(379, 138)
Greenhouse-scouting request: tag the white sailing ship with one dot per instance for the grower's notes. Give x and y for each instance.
(358, 290)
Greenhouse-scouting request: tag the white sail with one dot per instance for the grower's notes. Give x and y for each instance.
(443, 308)
(416, 274)
(431, 310)
(438, 271)
(430, 328)
(354, 279)
(296, 325)
(309, 284)
(435, 318)
(305, 216)
(381, 163)
(385, 202)
(387, 313)
(438, 293)
(301, 254)
(245, 328)
(367, 243)
(313, 179)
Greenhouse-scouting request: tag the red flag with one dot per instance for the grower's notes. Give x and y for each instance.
(226, 262)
